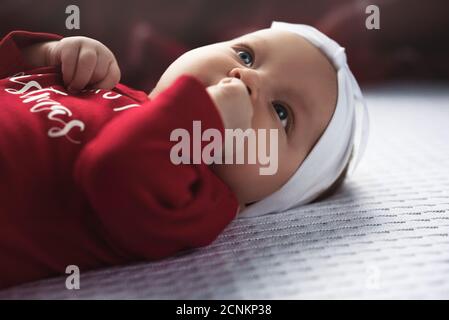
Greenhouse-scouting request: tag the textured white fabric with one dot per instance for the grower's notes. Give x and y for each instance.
(384, 234)
(347, 129)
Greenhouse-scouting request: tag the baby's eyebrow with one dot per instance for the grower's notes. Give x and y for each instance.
(257, 37)
(251, 38)
(259, 41)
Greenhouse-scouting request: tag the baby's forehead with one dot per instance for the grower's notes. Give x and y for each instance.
(270, 35)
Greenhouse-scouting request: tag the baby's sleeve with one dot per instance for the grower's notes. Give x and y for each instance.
(11, 46)
(149, 207)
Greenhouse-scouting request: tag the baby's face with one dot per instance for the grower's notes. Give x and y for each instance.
(293, 88)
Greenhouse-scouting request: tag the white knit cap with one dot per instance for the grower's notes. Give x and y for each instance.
(347, 129)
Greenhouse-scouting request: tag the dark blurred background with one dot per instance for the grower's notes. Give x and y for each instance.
(146, 36)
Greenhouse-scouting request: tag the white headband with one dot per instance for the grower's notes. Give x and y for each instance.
(347, 129)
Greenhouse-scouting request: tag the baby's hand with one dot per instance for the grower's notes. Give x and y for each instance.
(233, 102)
(84, 61)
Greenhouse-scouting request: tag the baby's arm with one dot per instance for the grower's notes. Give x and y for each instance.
(149, 207)
(12, 46)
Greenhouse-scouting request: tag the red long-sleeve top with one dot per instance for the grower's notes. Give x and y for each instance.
(87, 179)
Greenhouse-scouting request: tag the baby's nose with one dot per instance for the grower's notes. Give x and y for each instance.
(238, 74)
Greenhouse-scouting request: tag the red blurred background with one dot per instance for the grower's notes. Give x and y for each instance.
(146, 36)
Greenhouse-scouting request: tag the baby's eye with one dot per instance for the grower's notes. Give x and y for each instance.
(246, 57)
(282, 113)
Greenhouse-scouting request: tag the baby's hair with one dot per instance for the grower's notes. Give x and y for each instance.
(337, 183)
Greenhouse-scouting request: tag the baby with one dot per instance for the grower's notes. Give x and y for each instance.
(85, 164)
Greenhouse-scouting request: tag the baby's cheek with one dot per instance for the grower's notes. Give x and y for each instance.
(241, 178)
(263, 119)
(258, 186)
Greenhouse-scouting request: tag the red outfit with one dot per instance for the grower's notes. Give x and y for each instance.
(87, 179)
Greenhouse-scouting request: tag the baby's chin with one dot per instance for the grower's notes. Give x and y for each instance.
(161, 85)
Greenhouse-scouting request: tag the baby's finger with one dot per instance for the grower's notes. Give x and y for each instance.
(69, 57)
(87, 60)
(112, 77)
(101, 70)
